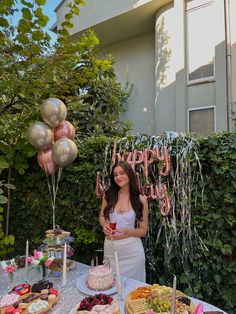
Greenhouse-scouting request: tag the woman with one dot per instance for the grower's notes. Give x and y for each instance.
(124, 205)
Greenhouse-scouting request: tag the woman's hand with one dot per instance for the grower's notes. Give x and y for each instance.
(107, 230)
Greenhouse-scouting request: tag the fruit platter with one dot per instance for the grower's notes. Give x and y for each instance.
(99, 303)
(26, 299)
(157, 299)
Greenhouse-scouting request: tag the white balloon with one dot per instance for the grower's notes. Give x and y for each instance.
(40, 135)
(53, 111)
(64, 151)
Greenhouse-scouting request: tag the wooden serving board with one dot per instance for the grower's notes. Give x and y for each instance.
(135, 300)
(51, 303)
(46, 310)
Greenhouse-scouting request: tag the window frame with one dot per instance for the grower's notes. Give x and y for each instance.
(207, 79)
(202, 108)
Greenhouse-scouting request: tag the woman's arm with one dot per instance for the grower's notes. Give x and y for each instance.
(102, 220)
(142, 229)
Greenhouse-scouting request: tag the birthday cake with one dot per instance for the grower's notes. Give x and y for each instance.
(157, 299)
(100, 278)
(100, 303)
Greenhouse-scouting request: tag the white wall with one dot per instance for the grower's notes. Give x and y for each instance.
(155, 60)
(170, 86)
(135, 63)
(173, 96)
(96, 12)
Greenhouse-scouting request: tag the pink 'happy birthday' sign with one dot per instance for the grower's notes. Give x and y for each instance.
(145, 158)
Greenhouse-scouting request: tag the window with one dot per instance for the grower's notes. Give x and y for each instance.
(201, 120)
(202, 38)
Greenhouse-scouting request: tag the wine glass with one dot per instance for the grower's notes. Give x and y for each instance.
(112, 225)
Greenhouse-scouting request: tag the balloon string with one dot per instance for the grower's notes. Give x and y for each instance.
(58, 179)
(53, 189)
(54, 202)
(51, 199)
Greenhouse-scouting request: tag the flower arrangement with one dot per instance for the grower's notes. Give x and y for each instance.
(40, 258)
(9, 267)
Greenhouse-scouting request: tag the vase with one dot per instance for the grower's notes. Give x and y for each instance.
(44, 272)
(11, 282)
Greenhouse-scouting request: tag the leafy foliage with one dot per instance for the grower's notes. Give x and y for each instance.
(213, 216)
(33, 70)
(6, 242)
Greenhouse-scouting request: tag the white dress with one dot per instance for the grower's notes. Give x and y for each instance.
(130, 250)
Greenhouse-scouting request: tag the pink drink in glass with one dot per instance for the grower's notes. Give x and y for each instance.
(112, 225)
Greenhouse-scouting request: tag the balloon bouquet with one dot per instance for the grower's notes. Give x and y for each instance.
(53, 139)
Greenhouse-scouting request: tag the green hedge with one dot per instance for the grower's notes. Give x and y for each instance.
(203, 261)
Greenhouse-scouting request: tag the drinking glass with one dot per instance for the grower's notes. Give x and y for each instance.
(112, 225)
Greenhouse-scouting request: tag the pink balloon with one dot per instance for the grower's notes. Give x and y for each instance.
(46, 161)
(64, 129)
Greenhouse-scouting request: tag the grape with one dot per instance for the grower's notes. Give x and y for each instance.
(158, 305)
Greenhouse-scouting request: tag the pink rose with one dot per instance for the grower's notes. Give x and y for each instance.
(9, 269)
(150, 312)
(36, 254)
(30, 259)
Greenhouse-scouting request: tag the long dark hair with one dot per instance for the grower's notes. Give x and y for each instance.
(111, 194)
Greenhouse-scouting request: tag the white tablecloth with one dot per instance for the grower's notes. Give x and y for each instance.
(70, 295)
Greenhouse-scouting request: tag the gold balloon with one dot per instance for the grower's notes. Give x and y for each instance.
(40, 135)
(53, 111)
(64, 151)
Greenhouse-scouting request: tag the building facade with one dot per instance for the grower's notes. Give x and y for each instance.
(180, 56)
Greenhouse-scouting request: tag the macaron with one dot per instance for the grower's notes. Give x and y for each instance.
(9, 309)
(49, 231)
(44, 296)
(53, 291)
(18, 311)
(65, 233)
(22, 306)
(51, 297)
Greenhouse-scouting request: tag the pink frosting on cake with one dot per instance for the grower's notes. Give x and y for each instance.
(100, 278)
(100, 269)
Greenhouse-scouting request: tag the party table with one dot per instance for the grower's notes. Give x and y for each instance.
(71, 295)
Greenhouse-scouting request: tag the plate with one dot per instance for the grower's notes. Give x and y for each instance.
(82, 287)
(73, 310)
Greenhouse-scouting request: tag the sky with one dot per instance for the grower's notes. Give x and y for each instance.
(49, 11)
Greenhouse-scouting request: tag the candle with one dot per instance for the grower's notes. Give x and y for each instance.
(173, 296)
(92, 263)
(118, 276)
(64, 265)
(26, 258)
